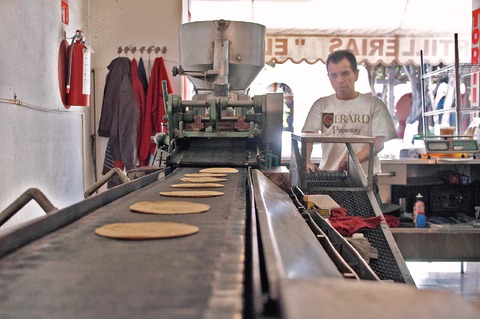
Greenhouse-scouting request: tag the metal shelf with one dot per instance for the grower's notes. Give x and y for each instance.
(464, 69)
(458, 70)
(452, 110)
(470, 109)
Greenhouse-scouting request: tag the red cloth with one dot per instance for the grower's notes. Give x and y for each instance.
(140, 97)
(349, 225)
(154, 109)
(392, 221)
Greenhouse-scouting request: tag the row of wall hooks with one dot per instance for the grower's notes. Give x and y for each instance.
(149, 49)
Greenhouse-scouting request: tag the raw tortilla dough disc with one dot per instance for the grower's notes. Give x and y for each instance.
(147, 230)
(202, 179)
(197, 185)
(169, 207)
(224, 170)
(192, 194)
(205, 175)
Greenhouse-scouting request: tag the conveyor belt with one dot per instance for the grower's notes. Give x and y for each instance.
(357, 203)
(73, 273)
(227, 270)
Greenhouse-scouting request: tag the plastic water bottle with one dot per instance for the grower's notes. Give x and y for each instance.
(419, 211)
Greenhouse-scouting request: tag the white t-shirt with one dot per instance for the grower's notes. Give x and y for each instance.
(365, 115)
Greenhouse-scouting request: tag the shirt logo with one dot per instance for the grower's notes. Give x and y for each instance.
(327, 119)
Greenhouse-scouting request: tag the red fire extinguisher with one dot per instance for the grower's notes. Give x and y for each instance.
(78, 72)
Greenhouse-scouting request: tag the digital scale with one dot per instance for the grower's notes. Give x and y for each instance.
(451, 145)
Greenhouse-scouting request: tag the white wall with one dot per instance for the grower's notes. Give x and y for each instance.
(43, 144)
(121, 23)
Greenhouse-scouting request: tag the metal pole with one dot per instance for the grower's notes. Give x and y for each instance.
(422, 94)
(458, 94)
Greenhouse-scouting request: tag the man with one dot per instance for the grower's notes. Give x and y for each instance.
(347, 112)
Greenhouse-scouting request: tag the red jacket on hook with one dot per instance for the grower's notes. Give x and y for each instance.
(154, 110)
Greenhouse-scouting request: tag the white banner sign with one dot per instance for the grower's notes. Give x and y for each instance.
(372, 50)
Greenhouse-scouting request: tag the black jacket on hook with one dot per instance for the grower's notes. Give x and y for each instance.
(142, 74)
(119, 116)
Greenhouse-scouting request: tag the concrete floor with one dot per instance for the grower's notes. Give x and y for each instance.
(448, 276)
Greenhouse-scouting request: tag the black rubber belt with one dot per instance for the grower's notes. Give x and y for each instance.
(73, 273)
(358, 204)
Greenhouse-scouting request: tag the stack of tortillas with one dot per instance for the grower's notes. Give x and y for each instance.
(146, 230)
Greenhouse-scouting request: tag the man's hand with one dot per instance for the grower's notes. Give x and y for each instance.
(312, 167)
(343, 164)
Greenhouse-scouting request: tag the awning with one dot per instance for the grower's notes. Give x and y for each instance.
(377, 49)
(378, 31)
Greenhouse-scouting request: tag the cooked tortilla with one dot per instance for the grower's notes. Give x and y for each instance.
(197, 185)
(146, 230)
(169, 207)
(205, 175)
(197, 194)
(221, 170)
(202, 179)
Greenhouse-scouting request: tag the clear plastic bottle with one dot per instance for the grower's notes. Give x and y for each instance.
(419, 212)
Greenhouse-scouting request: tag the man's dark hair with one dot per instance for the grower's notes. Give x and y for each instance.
(339, 55)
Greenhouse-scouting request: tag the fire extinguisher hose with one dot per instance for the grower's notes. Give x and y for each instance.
(70, 57)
